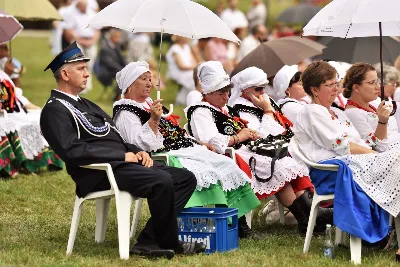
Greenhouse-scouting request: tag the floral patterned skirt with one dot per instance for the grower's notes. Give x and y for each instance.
(13, 159)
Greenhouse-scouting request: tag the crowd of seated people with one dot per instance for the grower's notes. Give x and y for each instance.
(357, 135)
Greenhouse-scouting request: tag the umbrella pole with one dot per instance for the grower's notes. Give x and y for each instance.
(381, 61)
(171, 107)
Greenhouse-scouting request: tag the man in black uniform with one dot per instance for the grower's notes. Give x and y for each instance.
(81, 133)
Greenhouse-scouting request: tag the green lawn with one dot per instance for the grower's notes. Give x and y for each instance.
(35, 211)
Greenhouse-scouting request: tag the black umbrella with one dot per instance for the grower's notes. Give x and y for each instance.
(301, 13)
(360, 49)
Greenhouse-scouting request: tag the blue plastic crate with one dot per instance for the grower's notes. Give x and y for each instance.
(217, 228)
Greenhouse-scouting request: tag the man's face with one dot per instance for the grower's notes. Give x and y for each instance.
(4, 51)
(82, 6)
(76, 74)
(233, 4)
(116, 37)
(262, 33)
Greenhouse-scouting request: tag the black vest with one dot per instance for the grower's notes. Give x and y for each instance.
(226, 125)
(260, 113)
(174, 136)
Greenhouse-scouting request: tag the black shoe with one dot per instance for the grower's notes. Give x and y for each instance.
(246, 232)
(324, 215)
(153, 254)
(186, 248)
(397, 257)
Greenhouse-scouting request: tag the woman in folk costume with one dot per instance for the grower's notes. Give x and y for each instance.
(213, 122)
(288, 86)
(138, 117)
(367, 184)
(375, 125)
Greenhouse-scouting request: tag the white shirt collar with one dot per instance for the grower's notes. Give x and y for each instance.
(76, 98)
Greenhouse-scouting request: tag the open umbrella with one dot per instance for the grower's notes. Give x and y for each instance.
(271, 56)
(30, 9)
(301, 13)
(9, 28)
(358, 18)
(181, 17)
(359, 49)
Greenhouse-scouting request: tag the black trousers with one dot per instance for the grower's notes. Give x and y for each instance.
(167, 190)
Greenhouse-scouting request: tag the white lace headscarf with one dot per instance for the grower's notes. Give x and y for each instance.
(130, 73)
(212, 76)
(250, 77)
(282, 79)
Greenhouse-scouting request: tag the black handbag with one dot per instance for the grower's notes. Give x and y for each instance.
(274, 147)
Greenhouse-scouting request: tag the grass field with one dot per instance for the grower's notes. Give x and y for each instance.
(35, 211)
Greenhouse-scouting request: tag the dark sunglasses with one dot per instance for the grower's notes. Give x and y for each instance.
(259, 89)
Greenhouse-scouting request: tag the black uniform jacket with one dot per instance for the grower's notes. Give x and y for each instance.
(59, 129)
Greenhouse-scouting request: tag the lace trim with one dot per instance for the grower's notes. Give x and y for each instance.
(286, 170)
(32, 141)
(7, 127)
(211, 168)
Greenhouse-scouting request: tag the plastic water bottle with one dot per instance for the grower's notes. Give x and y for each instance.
(328, 246)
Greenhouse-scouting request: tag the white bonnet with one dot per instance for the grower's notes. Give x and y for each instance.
(249, 77)
(130, 73)
(282, 79)
(212, 76)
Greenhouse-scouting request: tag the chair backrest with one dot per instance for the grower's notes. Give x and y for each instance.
(294, 149)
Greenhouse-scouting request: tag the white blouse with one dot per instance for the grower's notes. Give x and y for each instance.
(322, 136)
(132, 130)
(207, 132)
(267, 126)
(292, 108)
(366, 123)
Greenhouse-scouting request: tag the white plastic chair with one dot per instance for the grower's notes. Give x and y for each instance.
(340, 237)
(123, 201)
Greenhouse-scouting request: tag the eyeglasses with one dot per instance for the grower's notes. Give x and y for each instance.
(374, 82)
(333, 85)
(392, 84)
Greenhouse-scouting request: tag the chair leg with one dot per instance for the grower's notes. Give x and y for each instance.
(397, 225)
(249, 217)
(123, 201)
(355, 249)
(311, 224)
(281, 213)
(136, 215)
(340, 237)
(74, 224)
(102, 206)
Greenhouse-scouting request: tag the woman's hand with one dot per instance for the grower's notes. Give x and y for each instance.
(261, 102)
(156, 110)
(246, 134)
(209, 147)
(383, 113)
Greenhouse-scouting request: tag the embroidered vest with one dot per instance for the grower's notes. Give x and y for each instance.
(174, 136)
(226, 125)
(7, 97)
(283, 121)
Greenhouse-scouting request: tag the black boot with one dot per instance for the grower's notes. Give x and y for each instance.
(245, 231)
(301, 214)
(324, 215)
